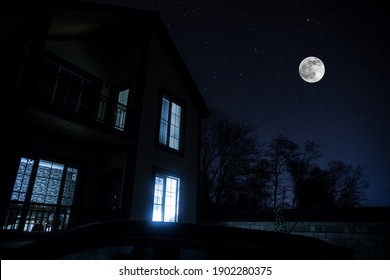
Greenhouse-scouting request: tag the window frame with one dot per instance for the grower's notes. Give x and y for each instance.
(119, 106)
(114, 96)
(171, 99)
(165, 175)
(108, 104)
(85, 77)
(25, 222)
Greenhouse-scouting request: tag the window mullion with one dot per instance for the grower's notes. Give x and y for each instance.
(59, 199)
(62, 186)
(169, 123)
(48, 183)
(177, 200)
(26, 204)
(163, 199)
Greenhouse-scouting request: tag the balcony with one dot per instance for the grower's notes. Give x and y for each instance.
(42, 196)
(68, 89)
(69, 101)
(37, 218)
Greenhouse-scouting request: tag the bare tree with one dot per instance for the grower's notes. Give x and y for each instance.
(228, 153)
(301, 165)
(258, 193)
(347, 184)
(280, 152)
(235, 170)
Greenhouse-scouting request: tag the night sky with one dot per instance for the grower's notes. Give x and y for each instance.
(244, 57)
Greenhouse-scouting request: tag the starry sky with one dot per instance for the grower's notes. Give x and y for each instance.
(244, 56)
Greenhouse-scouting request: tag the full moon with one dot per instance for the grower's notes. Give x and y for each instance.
(311, 69)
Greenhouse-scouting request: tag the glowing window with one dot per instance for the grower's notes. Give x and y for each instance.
(42, 196)
(170, 124)
(166, 199)
(121, 108)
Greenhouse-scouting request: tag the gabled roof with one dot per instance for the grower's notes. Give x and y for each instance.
(85, 19)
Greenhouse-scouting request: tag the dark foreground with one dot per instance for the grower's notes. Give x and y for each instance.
(145, 240)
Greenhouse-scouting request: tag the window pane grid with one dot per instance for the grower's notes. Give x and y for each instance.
(69, 187)
(170, 124)
(47, 182)
(170, 201)
(158, 199)
(39, 211)
(157, 213)
(121, 109)
(163, 132)
(22, 179)
(123, 97)
(120, 118)
(166, 200)
(163, 135)
(66, 88)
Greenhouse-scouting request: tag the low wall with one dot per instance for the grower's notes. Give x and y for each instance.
(371, 240)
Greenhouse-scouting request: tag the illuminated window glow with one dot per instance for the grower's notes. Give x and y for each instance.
(42, 196)
(166, 199)
(170, 124)
(120, 110)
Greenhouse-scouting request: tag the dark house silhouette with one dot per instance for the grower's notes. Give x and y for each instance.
(100, 119)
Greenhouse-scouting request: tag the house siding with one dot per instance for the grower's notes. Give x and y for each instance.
(116, 48)
(162, 73)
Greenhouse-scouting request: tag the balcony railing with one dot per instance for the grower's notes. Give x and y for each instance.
(76, 92)
(36, 218)
(71, 89)
(111, 113)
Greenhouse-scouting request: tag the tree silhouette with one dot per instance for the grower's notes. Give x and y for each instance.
(340, 185)
(238, 172)
(314, 191)
(280, 152)
(300, 167)
(256, 193)
(228, 154)
(346, 183)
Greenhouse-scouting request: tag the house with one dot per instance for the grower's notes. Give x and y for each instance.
(100, 118)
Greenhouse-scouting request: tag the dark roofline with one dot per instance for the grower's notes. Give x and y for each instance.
(156, 23)
(183, 69)
(88, 6)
